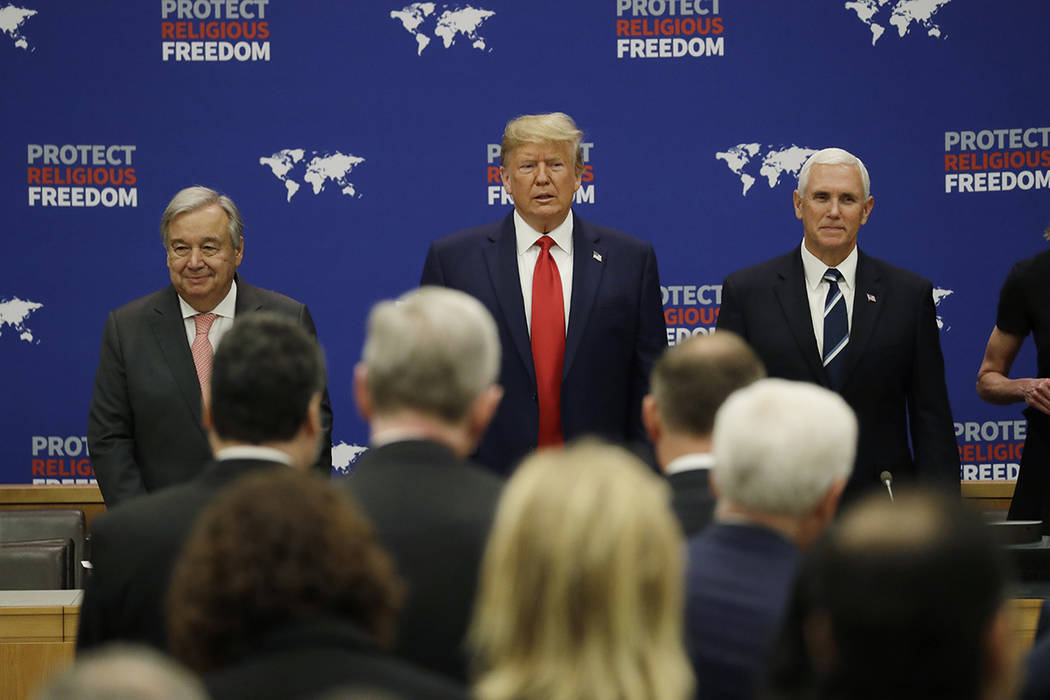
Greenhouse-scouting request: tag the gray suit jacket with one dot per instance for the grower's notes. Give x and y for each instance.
(144, 428)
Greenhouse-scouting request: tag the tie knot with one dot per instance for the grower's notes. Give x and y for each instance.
(203, 322)
(832, 275)
(545, 242)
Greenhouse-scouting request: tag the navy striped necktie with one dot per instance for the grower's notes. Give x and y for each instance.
(836, 327)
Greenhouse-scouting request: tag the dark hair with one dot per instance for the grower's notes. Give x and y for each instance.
(273, 548)
(266, 370)
(903, 595)
(692, 379)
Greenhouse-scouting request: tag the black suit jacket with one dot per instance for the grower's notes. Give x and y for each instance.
(893, 376)
(692, 500)
(432, 512)
(305, 659)
(144, 428)
(133, 551)
(616, 331)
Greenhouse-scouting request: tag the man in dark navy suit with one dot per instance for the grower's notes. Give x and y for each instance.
(783, 453)
(829, 314)
(689, 382)
(578, 305)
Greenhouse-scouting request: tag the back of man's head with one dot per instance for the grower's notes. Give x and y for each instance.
(431, 352)
(693, 378)
(124, 672)
(905, 600)
(781, 446)
(267, 371)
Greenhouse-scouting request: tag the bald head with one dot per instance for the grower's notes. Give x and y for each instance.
(693, 378)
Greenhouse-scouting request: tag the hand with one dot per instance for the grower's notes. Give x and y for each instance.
(1036, 394)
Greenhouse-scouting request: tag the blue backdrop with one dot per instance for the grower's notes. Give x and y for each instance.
(352, 134)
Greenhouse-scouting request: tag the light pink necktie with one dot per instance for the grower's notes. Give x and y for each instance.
(201, 348)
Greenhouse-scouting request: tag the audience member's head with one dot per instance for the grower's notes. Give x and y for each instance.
(430, 363)
(124, 672)
(273, 549)
(265, 389)
(783, 454)
(688, 384)
(900, 600)
(581, 584)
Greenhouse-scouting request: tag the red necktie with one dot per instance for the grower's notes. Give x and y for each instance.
(201, 349)
(548, 341)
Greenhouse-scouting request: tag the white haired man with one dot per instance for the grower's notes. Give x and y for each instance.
(426, 384)
(783, 454)
(578, 305)
(829, 314)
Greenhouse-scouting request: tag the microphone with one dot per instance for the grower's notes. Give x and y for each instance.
(887, 479)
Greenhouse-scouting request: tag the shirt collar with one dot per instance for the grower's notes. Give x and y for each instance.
(254, 452)
(527, 236)
(696, 460)
(224, 308)
(815, 268)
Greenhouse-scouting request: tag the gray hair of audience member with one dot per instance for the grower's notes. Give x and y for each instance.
(580, 594)
(197, 197)
(124, 672)
(554, 127)
(693, 378)
(266, 372)
(833, 156)
(900, 600)
(780, 446)
(433, 350)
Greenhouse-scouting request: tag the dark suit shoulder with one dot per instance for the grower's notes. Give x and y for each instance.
(160, 299)
(611, 236)
(248, 294)
(135, 518)
(901, 277)
(418, 461)
(471, 236)
(767, 269)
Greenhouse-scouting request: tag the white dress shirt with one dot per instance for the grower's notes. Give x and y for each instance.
(224, 310)
(817, 289)
(259, 452)
(691, 462)
(529, 253)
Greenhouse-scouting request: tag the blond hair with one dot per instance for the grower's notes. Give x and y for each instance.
(555, 127)
(580, 593)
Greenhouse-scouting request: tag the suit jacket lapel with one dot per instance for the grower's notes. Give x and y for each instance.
(247, 299)
(501, 258)
(866, 311)
(790, 290)
(169, 331)
(586, 279)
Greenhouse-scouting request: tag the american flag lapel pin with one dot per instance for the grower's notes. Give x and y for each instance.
(871, 297)
(597, 256)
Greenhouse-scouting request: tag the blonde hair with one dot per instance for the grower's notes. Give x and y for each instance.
(580, 594)
(555, 127)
